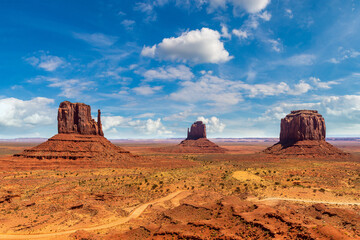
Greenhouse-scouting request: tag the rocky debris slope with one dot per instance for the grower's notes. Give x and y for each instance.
(196, 142)
(208, 216)
(303, 134)
(79, 137)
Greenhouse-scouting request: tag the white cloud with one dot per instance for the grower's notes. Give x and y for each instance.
(208, 88)
(146, 90)
(322, 85)
(213, 124)
(179, 116)
(289, 13)
(109, 122)
(128, 24)
(276, 45)
(46, 62)
(148, 51)
(256, 90)
(300, 88)
(344, 54)
(96, 39)
(71, 88)
(250, 6)
(240, 33)
(169, 73)
(150, 127)
(225, 32)
(298, 60)
(26, 114)
(347, 107)
(197, 46)
(266, 16)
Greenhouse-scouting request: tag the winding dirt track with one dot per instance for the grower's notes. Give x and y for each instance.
(175, 197)
(309, 201)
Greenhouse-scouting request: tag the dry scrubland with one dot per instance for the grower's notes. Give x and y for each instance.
(220, 196)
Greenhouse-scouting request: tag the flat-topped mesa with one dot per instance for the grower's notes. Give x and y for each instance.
(197, 130)
(302, 125)
(75, 118)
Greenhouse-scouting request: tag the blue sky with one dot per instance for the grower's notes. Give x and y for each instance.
(154, 67)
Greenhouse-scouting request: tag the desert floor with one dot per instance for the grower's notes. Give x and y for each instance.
(242, 194)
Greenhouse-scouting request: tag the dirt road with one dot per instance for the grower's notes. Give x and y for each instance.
(174, 197)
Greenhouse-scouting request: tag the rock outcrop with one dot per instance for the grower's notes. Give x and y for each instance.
(303, 134)
(302, 125)
(197, 130)
(75, 118)
(79, 137)
(196, 142)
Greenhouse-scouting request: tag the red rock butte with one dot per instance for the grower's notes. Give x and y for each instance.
(196, 142)
(302, 133)
(79, 136)
(197, 130)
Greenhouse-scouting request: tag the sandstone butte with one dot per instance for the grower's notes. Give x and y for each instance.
(302, 134)
(79, 137)
(196, 142)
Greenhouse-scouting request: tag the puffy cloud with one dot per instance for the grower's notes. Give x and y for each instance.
(347, 106)
(197, 46)
(289, 13)
(109, 122)
(169, 73)
(240, 33)
(225, 32)
(250, 6)
(322, 85)
(26, 114)
(96, 39)
(146, 90)
(46, 62)
(213, 124)
(150, 127)
(148, 51)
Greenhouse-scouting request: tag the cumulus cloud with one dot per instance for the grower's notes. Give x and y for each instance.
(109, 122)
(213, 124)
(275, 44)
(240, 33)
(46, 62)
(322, 85)
(150, 127)
(180, 72)
(225, 31)
(197, 46)
(250, 6)
(146, 90)
(96, 39)
(289, 13)
(347, 106)
(26, 114)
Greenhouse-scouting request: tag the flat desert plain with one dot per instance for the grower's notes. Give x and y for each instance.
(242, 194)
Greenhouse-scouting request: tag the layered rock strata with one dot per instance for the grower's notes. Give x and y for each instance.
(303, 134)
(79, 136)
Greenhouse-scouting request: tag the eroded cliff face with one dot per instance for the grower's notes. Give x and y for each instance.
(75, 118)
(197, 130)
(302, 125)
